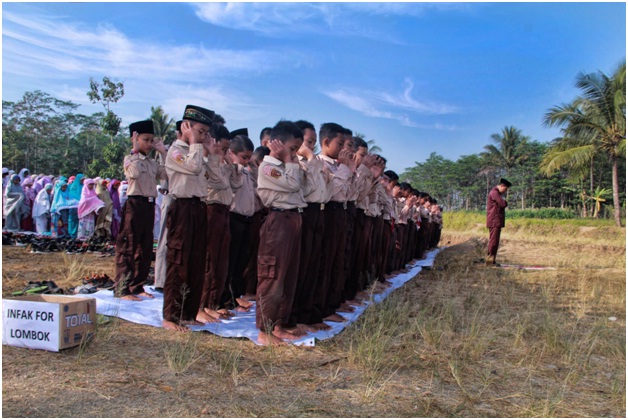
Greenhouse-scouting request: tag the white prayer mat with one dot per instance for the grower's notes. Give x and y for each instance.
(149, 311)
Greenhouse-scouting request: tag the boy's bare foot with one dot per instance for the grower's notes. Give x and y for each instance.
(362, 295)
(215, 314)
(204, 318)
(284, 334)
(225, 312)
(335, 318)
(296, 331)
(169, 325)
(244, 303)
(249, 297)
(146, 295)
(356, 302)
(192, 322)
(307, 328)
(131, 297)
(241, 308)
(345, 307)
(320, 326)
(269, 339)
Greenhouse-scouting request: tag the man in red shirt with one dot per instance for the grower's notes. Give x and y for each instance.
(495, 218)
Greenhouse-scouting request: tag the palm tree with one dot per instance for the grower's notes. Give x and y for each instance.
(510, 151)
(372, 145)
(594, 122)
(163, 125)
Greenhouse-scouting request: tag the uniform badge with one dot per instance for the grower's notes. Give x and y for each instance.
(272, 172)
(178, 157)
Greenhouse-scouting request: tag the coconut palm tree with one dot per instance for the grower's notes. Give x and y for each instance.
(594, 122)
(162, 123)
(509, 150)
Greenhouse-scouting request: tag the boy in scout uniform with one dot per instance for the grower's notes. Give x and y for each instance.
(187, 220)
(280, 189)
(134, 243)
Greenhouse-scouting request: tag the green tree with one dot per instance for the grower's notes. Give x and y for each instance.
(107, 93)
(593, 122)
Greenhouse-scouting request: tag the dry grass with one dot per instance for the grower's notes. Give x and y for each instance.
(464, 341)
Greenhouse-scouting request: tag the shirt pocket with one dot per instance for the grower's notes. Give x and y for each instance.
(266, 266)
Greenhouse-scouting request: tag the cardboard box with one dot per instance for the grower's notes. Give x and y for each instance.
(47, 322)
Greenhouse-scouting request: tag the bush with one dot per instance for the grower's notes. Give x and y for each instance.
(541, 214)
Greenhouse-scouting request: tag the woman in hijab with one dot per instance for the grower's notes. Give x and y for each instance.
(88, 208)
(105, 216)
(41, 210)
(14, 207)
(24, 173)
(75, 186)
(122, 192)
(60, 208)
(117, 208)
(29, 199)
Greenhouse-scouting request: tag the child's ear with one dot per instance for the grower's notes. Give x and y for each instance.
(325, 141)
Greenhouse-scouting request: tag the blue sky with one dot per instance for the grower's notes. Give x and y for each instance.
(416, 77)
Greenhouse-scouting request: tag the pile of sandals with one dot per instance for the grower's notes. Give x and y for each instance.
(41, 244)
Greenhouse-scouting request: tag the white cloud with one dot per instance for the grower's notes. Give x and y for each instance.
(33, 43)
(395, 106)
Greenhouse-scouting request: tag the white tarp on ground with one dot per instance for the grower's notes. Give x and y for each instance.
(149, 311)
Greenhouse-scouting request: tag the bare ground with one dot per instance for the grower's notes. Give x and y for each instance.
(459, 340)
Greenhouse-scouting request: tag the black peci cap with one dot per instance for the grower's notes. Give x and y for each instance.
(198, 114)
(142, 127)
(505, 182)
(239, 131)
(178, 125)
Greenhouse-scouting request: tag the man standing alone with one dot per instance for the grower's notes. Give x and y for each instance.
(495, 218)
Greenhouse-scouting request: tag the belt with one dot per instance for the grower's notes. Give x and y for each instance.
(240, 216)
(191, 199)
(142, 198)
(316, 206)
(295, 210)
(337, 205)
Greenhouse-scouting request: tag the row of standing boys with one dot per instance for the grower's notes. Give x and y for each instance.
(305, 236)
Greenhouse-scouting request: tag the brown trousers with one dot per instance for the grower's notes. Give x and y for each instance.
(187, 239)
(134, 246)
(368, 264)
(278, 268)
(333, 263)
(312, 233)
(493, 240)
(250, 272)
(357, 264)
(216, 255)
(238, 257)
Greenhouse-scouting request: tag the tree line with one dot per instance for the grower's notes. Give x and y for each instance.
(580, 171)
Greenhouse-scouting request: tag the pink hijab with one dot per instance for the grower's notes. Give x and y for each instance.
(89, 201)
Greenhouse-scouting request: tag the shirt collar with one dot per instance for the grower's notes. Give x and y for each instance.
(273, 160)
(181, 143)
(328, 159)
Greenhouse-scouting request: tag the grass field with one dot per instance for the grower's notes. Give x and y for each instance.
(459, 340)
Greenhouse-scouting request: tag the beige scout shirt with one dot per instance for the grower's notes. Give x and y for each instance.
(382, 200)
(187, 176)
(339, 185)
(222, 180)
(279, 184)
(373, 209)
(391, 208)
(402, 211)
(318, 178)
(361, 186)
(244, 197)
(259, 206)
(142, 173)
